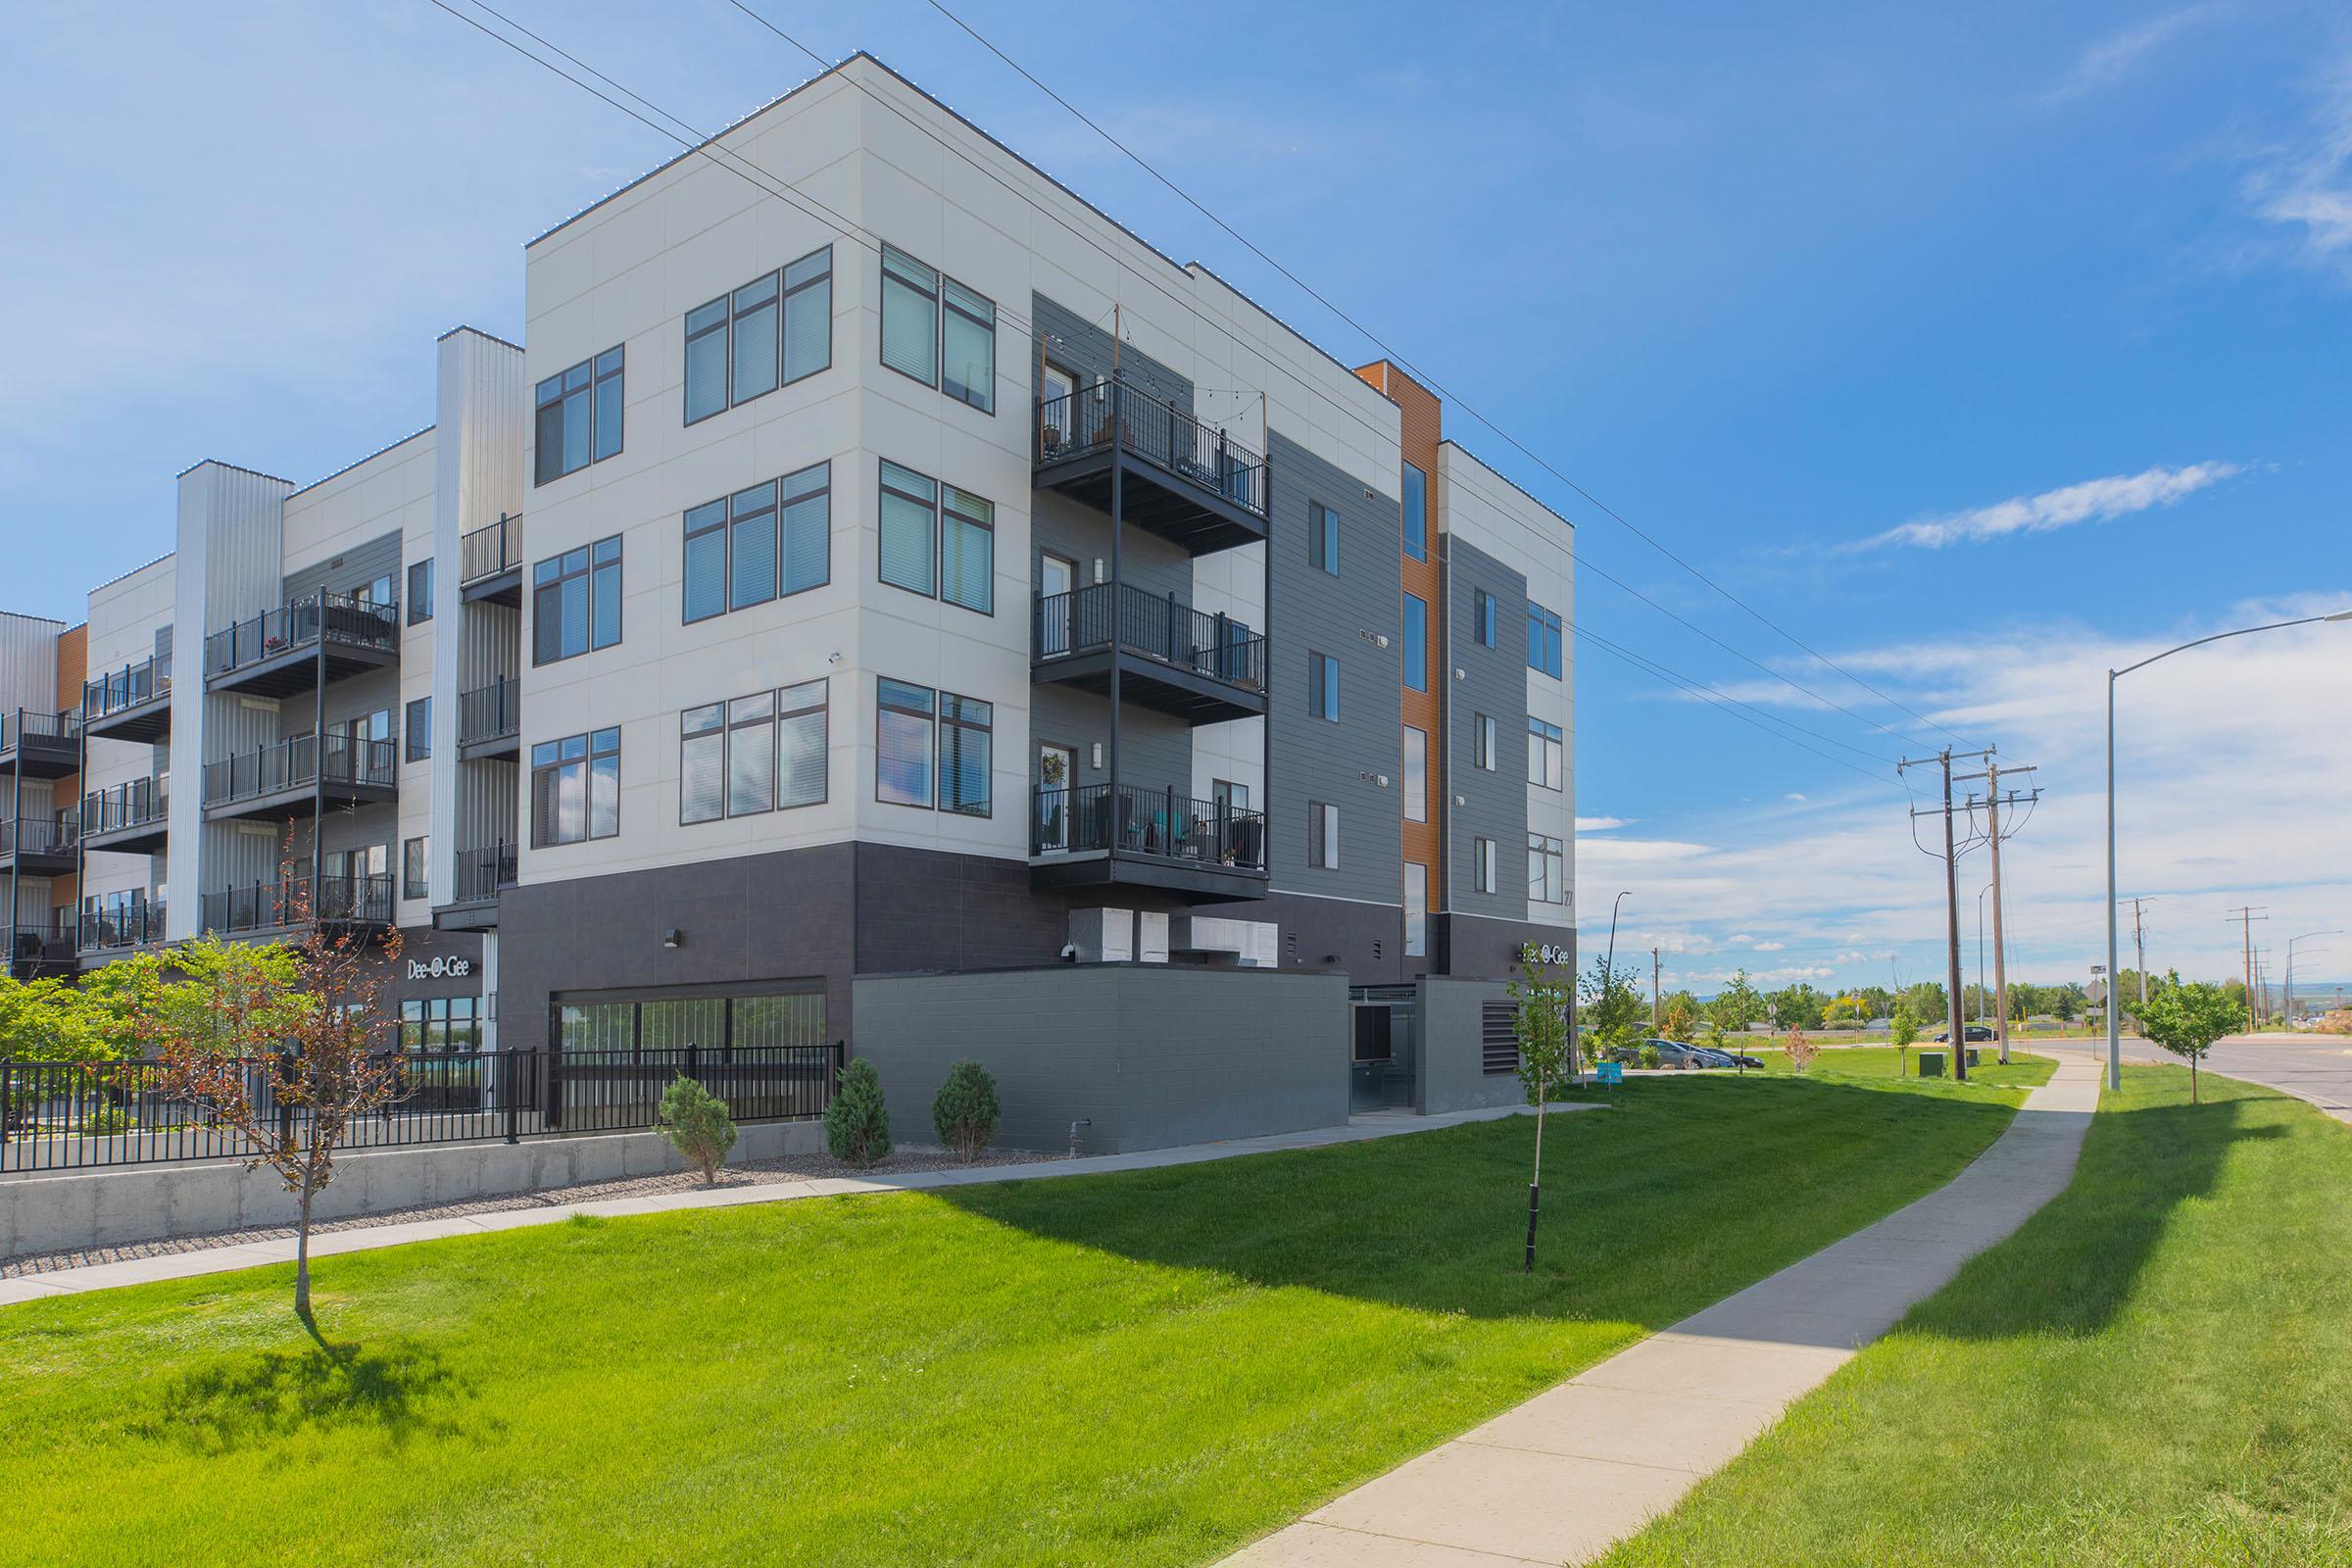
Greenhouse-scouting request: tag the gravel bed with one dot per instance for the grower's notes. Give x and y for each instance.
(907, 1159)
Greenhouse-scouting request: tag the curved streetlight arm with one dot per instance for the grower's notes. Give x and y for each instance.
(2224, 636)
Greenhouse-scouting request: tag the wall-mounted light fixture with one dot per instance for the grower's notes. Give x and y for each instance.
(673, 938)
(1098, 750)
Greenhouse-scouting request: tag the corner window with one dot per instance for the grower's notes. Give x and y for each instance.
(421, 591)
(755, 754)
(910, 316)
(575, 788)
(937, 540)
(969, 348)
(1546, 754)
(1416, 512)
(910, 507)
(419, 720)
(1416, 910)
(1322, 836)
(770, 541)
(1416, 774)
(1416, 643)
(1322, 538)
(576, 602)
(578, 416)
(1483, 745)
(1547, 869)
(903, 736)
(771, 332)
(1543, 640)
(967, 550)
(1482, 616)
(964, 747)
(1323, 686)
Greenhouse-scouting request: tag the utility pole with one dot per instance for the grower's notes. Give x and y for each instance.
(1955, 1023)
(2245, 917)
(1654, 991)
(2139, 946)
(1993, 833)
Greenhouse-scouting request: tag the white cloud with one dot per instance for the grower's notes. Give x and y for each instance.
(2092, 501)
(1603, 824)
(2114, 57)
(1795, 796)
(2308, 188)
(1770, 947)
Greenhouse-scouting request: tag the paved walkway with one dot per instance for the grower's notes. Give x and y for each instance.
(222, 1260)
(1580, 1467)
(2312, 1067)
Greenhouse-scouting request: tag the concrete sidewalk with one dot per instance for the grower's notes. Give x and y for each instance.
(222, 1258)
(1580, 1467)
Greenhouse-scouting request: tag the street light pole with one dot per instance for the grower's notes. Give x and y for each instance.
(2290, 969)
(2114, 1036)
(1981, 993)
(1620, 898)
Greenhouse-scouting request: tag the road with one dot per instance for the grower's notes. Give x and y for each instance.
(2313, 1067)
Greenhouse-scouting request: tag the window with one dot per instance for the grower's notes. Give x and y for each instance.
(421, 591)
(963, 755)
(1482, 865)
(1546, 754)
(419, 722)
(441, 1024)
(1543, 640)
(744, 550)
(969, 348)
(1323, 686)
(576, 602)
(768, 333)
(1322, 836)
(1547, 869)
(902, 743)
(909, 508)
(1482, 741)
(1483, 616)
(1416, 512)
(754, 754)
(1416, 910)
(967, 550)
(578, 416)
(575, 788)
(1416, 643)
(1227, 797)
(416, 859)
(910, 316)
(1416, 774)
(1322, 538)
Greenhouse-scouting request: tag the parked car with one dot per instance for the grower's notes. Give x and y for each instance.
(1674, 1053)
(1724, 1058)
(1975, 1032)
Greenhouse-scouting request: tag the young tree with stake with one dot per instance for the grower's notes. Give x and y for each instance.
(2187, 1019)
(1544, 993)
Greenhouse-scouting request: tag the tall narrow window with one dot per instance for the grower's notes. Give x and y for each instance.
(1543, 640)
(807, 528)
(967, 554)
(1416, 643)
(1322, 836)
(1547, 869)
(1416, 774)
(1482, 863)
(902, 743)
(1322, 538)
(608, 399)
(416, 861)
(1416, 910)
(910, 316)
(706, 579)
(809, 314)
(702, 763)
(421, 591)
(707, 360)
(419, 721)
(1323, 686)
(965, 725)
(801, 745)
(751, 755)
(1547, 758)
(1482, 616)
(910, 509)
(1416, 512)
(968, 343)
(1482, 747)
(752, 546)
(756, 338)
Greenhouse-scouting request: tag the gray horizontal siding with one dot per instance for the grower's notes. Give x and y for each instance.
(354, 568)
(1493, 681)
(1084, 348)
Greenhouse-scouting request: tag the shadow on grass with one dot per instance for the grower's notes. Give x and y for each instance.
(398, 1387)
(1683, 1192)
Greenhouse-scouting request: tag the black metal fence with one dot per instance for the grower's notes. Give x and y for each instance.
(37, 726)
(1159, 626)
(1143, 822)
(487, 551)
(37, 836)
(128, 687)
(1160, 434)
(482, 873)
(92, 1115)
(338, 617)
(136, 803)
(294, 763)
(117, 921)
(490, 713)
(287, 902)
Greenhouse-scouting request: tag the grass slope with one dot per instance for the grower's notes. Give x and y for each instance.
(1143, 1368)
(2157, 1369)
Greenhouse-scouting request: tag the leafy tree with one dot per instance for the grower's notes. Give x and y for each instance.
(1680, 1020)
(49, 1020)
(858, 1121)
(1547, 1046)
(964, 1111)
(1797, 1007)
(1846, 1009)
(696, 1123)
(1738, 1005)
(1927, 1000)
(2187, 1019)
(1801, 1051)
(1608, 1007)
(1902, 1028)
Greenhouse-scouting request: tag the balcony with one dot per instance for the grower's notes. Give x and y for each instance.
(37, 845)
(285, 904)
(1170, 657)
(38, 948)
(481, 875)
(129, 818)
(1104, 835)
(285, 779)
(490, 721)
(1185, 481)
(133, 704)
(490, 563)
(42, 744)
(294, 648)
(118, 925)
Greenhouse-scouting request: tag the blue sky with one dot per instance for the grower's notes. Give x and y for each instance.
(1980, 348)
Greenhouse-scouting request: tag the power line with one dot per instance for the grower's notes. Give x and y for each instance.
(1418, 375)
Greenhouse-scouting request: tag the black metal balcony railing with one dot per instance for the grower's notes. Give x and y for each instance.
(35, 835)
(487, 551)
(295, 763)
(108, 924)
(32, 723)
(287, 902)
(482, 873)
(128, 687)
(139, 802)
(1159, 434)
(1156, 625)
(490, 713)
(1161, 823)
(337, 617)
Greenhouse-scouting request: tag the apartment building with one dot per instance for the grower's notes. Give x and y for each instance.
(878, 573)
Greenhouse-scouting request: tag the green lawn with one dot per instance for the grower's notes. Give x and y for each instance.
(1884, 1067)
(2157, 1369)
(1135, 1369)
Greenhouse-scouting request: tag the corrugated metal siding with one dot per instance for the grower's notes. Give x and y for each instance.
(1494, 804)
(29, 663)
(487, 801)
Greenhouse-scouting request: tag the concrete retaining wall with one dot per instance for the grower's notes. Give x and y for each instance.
(145, 1204)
